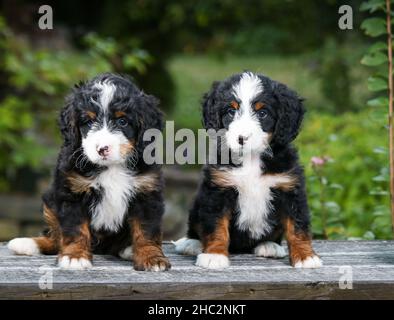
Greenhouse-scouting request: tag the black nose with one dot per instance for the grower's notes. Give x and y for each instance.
(103, 151)
(242, 140)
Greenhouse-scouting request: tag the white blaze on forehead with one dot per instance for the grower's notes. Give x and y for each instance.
(248, 87)
(107, 91)
(246, 123)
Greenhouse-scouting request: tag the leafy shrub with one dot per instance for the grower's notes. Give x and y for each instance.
(379, 56)
(340, 77)
(35, 82)
(356, 206)
(266, 39)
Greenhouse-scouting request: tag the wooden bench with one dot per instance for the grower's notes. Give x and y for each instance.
(366, 265)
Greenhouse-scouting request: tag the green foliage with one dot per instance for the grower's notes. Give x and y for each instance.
(374, 27)
(265, 38)
(351, 198)
(30, 98)
(377, 83)
(372, 5)
(334, 71)
(124, 56)
(377, 57)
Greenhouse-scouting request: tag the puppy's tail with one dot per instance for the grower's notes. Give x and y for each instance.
(47, 244)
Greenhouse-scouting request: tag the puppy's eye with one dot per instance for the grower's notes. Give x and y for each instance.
(263, 114)
(122, 122)
(88, 122)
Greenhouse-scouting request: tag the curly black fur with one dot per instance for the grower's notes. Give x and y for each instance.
(283, 116)
(73, 209)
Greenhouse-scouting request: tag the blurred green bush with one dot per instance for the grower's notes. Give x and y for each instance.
(355, 196)
(335, 63)
(35, 82)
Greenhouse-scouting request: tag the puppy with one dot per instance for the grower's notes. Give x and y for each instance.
(104, 197)
(248, 206)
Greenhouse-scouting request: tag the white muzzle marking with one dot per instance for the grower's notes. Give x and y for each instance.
(103, 139)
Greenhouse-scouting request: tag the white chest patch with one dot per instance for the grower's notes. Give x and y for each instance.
(117, 187)
(255, 196)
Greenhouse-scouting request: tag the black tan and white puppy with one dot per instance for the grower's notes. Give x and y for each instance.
(249, 205)
(104, 197)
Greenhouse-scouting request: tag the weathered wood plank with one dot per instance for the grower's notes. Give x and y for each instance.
(371, 264)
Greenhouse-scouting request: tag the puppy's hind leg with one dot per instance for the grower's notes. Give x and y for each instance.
(33, 246)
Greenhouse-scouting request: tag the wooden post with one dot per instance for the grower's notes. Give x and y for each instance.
(391, 92)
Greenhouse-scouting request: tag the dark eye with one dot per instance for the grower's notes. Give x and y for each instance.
(262, 114)
(88, 122)
(231, 111)
(122, 122)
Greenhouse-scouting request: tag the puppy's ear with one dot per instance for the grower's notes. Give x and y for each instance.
(290, 114)
(68, 125)
(149, 117)
(210, 113)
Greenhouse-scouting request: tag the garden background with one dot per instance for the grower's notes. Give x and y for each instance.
(175, 49)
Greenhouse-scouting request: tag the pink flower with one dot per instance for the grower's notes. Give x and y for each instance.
(319, 161)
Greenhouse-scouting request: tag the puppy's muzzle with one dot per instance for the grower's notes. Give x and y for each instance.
(242, 139)
(103, 151)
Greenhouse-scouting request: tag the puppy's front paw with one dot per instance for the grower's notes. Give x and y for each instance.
(66, 262)
(23, 246)
(270, 250)
(152, 263)
(309, 263)
(126, 253)
(212, 261)
(188, 246)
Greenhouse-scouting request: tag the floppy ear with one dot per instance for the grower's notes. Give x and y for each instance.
(149, 117)
(68, 126)
(290, 114)
(210, 113)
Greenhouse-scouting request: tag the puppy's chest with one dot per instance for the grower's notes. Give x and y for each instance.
(117, 187)
(254, 197)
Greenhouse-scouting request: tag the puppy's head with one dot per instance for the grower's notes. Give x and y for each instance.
(106, 117)
(256, 112)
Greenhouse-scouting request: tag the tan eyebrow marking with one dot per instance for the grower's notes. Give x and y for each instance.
(92, 115)
(119, 114)
(234, 104)
(259, 105)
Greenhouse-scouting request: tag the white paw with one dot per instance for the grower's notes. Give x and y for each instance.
(270, 250)
(310, 262)
(158, 268)
(126, 253)
(23, 246)
(212, 261)
(187, 246)
(74, 263)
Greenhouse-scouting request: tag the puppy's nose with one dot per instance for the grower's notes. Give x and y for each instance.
(242, 140)
(103, 151)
